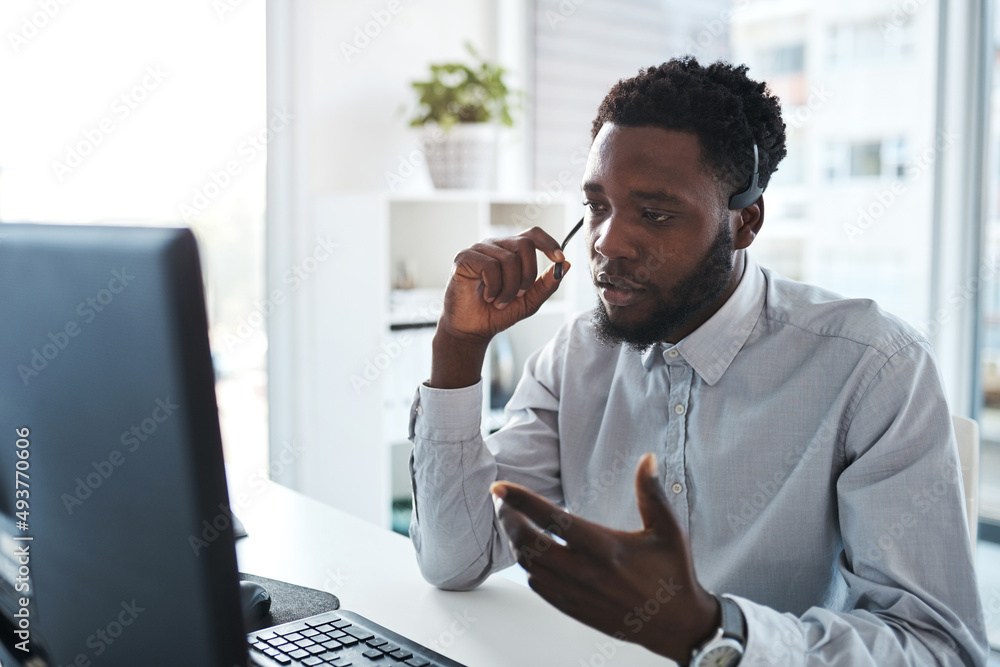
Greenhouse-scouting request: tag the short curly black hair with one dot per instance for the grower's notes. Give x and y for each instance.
(719, 104)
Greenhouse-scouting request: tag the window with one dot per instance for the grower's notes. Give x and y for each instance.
(783, 60)
(893, 158)
(989, 311)
(854, 136)
(865, 160)
(122, 113)
(792, 170)
(871, 42)
(869, 159)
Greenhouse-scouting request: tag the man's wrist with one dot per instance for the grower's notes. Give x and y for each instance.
(727, 645)
(706, 628)
(680, 636)
(456, 363)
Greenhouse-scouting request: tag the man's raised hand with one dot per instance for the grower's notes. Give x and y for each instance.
(494, 284)
(639, 586)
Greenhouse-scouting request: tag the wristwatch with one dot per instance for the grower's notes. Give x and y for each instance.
(725, 648)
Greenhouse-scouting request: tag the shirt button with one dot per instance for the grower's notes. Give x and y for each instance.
(679, 409)
(677, 487)
(419, 410)
(673, 353)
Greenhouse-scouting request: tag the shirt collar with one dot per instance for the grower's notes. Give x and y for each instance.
(711, 348)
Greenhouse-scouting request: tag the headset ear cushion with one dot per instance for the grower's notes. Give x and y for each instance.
(748, 197)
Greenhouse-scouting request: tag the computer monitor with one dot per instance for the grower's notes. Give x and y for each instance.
(116, 537)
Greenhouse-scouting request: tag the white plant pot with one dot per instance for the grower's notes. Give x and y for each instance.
(462, 157)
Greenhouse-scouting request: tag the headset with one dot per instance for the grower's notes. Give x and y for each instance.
(753, 192)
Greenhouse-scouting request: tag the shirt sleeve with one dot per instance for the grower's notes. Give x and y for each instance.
(454, 527)
(911, 595)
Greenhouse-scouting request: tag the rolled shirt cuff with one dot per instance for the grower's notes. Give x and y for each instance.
(446, 415)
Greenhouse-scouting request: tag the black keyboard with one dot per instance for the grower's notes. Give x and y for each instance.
(338, 639)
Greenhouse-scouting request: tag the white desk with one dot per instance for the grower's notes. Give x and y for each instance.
(374, 572)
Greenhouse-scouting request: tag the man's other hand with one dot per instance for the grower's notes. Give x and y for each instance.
(639, 586)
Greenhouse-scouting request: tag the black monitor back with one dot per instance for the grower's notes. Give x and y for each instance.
(108, 386)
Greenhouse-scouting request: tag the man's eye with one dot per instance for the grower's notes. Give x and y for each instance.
(653, 216)
(593, 206)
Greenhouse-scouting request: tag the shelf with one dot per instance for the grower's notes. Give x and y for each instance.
(359, 377)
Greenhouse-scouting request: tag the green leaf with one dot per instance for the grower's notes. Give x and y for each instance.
(457, 93)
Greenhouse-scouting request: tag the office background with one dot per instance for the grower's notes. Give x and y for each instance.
(278, 131)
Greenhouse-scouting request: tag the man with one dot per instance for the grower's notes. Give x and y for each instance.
(800, 503)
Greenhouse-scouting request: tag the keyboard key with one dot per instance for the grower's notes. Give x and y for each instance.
(299, 654)
(388, 647)
(326, 627)
(332, 645)
(305, 643)
(311, 661)
(259, 646)
(416, 661)
(264, 636)
(310, 632)
(375, 642)
(283, 659)
(315, 623)
(401, 654)
(372, 654)
(341, 624)
(293, 637)
(316, 648)
(272, 652)
(291, 628)
(286, 647)
(348, 640)
(360, 634)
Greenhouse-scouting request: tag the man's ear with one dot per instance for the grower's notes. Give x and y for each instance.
(748, 221)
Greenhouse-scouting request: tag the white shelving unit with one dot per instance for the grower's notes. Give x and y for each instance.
(360, 330)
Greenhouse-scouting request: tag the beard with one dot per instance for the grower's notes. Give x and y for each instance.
(695, 291)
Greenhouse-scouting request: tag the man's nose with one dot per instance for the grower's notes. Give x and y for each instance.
(613, 240)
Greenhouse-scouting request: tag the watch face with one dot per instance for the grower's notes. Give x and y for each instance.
(721, 656)
(724, 652)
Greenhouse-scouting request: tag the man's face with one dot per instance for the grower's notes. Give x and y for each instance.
(659, 235)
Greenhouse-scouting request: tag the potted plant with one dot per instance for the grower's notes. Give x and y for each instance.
(459, 108)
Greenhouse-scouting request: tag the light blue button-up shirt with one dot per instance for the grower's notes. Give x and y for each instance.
(803, 440)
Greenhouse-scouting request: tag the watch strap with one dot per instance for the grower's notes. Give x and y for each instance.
(733, 623)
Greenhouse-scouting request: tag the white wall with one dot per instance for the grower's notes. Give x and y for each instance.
(357, 103)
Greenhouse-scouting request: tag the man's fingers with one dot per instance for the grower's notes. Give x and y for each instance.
(519, 530)
(524, 248)
(657, 515)
(497, 267)
(528, 542)
(542, 289)
(543, 556)
(548, 245)
(543, 513)
(507, 269)
(554, 590)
